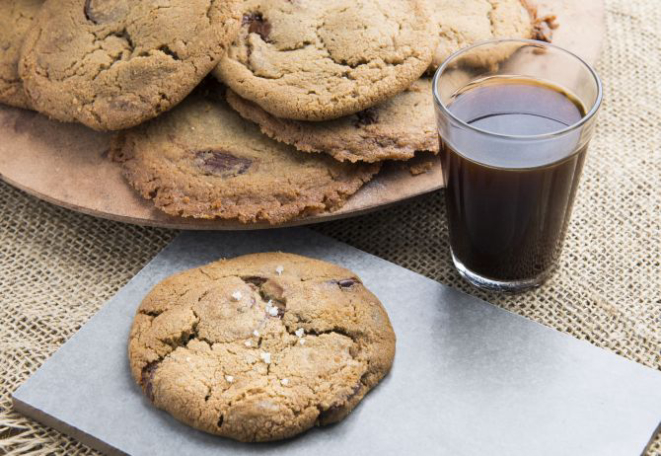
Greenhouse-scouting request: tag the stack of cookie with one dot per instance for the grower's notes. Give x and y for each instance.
(316, 95)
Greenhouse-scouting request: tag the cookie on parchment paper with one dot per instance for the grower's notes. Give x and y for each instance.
(260, 347)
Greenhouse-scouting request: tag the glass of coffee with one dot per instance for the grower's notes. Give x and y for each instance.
(514, 121)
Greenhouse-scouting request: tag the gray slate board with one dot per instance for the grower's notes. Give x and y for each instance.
(469, 378)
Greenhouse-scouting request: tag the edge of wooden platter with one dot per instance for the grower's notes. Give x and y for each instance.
(67, 164)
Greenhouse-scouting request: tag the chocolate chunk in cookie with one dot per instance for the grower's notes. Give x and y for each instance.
(223, 163)
(257, 24)
(369, 116)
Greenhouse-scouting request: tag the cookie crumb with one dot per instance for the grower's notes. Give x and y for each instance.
(266, 357)
(300, 332)
(284, 381)
(229, 378)
(279, 270)
(420, 168)
(237, 295)
(544, 27)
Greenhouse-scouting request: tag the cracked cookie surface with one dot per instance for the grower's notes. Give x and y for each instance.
(461, 23)
(326, 59)
(112, 64)
(260, 347)
(203, 160)
(392, 130)
(16, 18)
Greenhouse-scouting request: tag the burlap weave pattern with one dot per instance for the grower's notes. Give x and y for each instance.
(57, 267)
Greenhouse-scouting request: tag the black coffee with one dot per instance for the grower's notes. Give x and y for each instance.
(508, 202)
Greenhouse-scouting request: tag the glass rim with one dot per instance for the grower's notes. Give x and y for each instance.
(589, 115)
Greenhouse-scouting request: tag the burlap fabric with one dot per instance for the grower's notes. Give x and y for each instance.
(57, 267)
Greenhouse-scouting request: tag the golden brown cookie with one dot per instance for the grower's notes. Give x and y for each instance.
(202, 160)
(393, 130)
(461, 23)
(16, 18)
(112, 64)
(260, 347)
(322, 60)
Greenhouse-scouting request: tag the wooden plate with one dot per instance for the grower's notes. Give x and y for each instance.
(66, 164)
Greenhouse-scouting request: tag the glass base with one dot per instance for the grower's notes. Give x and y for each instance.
(485, 283)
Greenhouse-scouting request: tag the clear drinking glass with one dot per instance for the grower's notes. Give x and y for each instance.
(514, 121)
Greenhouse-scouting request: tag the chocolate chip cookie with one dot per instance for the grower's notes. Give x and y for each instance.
(16, 18)
(202, 160)
(327, 59)
(392, 130)
(461, 23)
(112, 64)
(260, 347)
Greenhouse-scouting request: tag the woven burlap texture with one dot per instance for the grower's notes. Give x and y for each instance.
(57, 268)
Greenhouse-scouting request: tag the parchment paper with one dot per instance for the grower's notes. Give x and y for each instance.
(469, 378)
